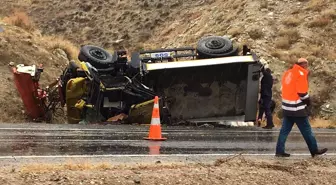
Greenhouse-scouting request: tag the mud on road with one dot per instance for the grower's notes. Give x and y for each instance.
(230, 170)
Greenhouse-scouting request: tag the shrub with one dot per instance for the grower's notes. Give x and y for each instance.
(263, 4)
(291, 21)
(20, 19)
(330, 13)
(316, 5)
(234, 31)
(292, 35)
(54, 42)
(321, 21)
(283, 43)
(255, 33)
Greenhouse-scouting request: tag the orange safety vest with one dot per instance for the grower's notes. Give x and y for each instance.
(295, 96)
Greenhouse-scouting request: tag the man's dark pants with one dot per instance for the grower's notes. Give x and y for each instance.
(266, 105)
(305, 129)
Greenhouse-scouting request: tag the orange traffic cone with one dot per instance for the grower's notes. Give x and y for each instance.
(155, 127)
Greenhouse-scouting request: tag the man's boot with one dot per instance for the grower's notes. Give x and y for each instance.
(319, 152)
(282, 155)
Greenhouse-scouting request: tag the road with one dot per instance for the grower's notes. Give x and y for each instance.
(28, 141)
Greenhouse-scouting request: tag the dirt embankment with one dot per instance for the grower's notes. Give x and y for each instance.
(21, 43)
(225, 171)
(277, 33)
(108, 23)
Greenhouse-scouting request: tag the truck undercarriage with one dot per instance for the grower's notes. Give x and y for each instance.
(209, 82)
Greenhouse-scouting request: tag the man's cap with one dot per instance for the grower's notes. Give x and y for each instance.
(302, 60)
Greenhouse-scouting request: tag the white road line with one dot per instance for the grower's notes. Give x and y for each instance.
(144, 155)
(52, 129)
(65, 140)
(164, 131)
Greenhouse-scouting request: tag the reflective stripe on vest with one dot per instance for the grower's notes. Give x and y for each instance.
(291, 102)
(302, 107)
(305, 97)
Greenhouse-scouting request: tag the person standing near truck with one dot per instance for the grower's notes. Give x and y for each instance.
(295, 103)
(265, 101)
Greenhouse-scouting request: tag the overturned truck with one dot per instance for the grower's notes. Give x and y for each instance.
(213, 82)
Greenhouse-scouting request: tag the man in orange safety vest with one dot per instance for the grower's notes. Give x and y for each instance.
(295, 102)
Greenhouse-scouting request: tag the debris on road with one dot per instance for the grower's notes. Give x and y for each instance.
(117, 118)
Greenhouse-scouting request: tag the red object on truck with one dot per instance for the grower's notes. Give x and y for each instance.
(26, 81)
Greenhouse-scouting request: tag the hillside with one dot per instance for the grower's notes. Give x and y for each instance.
(277, 33)
(28, 47)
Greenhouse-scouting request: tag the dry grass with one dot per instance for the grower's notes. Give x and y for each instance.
(312, 59)
(20, 19)
(292, 34)
(283, 43)
(55, 42)
(330, 13)
(315, 123)
(234, 31)
(264, 4)
(290, 56)
(298, 52)
(68, 166)
(292, 21)
(287, 37)
(255, 33)
(229, 170)
(320, 21)
(92, 166)
(296, 11)
(330, 53)
(284, 56)
(277, 53)
(316, 50)
(316, 5)
(322, 123)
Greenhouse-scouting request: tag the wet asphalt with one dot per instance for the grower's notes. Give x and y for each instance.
(62, 139)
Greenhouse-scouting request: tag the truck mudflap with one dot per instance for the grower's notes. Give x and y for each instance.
(211, 88)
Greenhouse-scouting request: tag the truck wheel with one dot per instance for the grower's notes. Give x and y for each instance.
(214, 46)
(96, 56)
(233, 52)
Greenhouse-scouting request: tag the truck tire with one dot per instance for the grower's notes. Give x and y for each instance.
(96, 56)
(214, 46)
(233, 52)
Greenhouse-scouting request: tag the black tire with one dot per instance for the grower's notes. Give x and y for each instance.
(96, 56)
(214, 46)
(233, 52)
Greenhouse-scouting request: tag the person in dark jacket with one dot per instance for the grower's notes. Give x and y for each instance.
(262, 110)
(265, 103)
